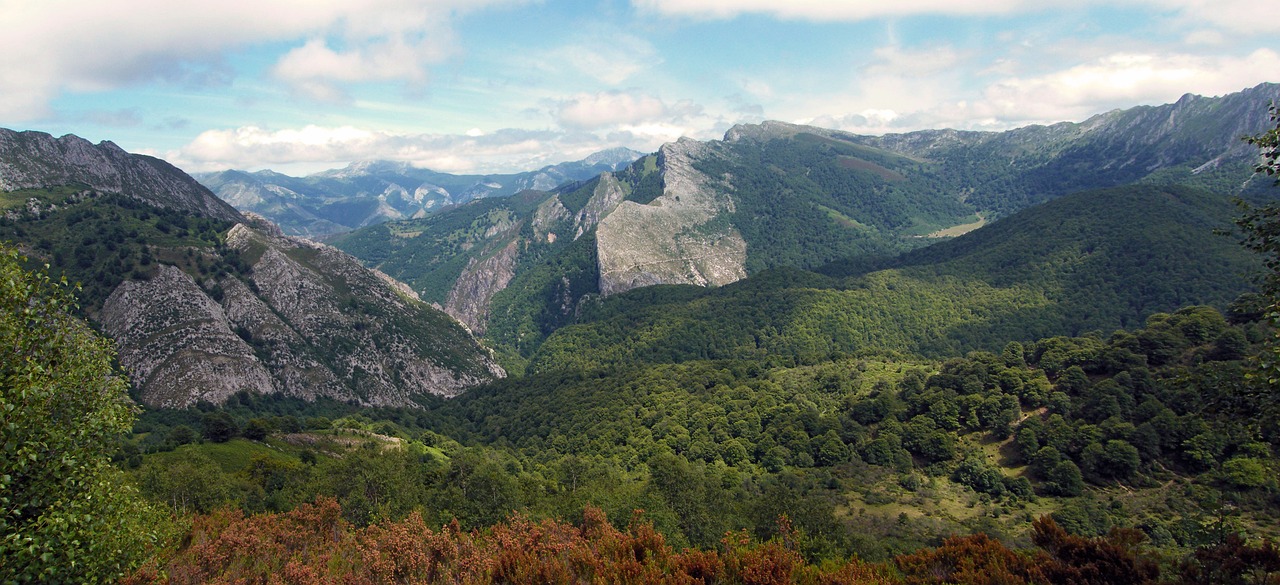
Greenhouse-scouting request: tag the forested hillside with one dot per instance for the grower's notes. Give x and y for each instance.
(1140, 430)
(1100, 260)
(203, 302)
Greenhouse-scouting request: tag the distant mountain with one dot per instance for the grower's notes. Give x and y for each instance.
(1195, 140)
(204, 302)
(775, 195)
(371, 192)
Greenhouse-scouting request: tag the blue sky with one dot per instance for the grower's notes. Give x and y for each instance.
(502, 85)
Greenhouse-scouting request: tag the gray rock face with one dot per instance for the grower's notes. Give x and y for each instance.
(177, 343)
(606, 198)
(546, 219)
(35, 159)
(472, 294)
(307, 321)
(672, 240)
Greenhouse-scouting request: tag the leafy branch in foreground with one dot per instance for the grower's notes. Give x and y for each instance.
(66, 516)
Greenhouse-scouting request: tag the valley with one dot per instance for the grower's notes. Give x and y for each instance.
(790, 347)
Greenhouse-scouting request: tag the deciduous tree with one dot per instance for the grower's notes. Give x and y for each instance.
(65, 514)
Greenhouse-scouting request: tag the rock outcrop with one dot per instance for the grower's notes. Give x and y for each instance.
(472, 293)
(177, 343)
(680, 237)
(306, 320)
(608, 195)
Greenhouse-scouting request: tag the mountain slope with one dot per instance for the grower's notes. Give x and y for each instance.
(202, 307)
(777, 195)
(30, 160)
(1090, 261)
(371, 192)
(1193, 141)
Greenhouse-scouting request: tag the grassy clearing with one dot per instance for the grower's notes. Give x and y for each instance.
(959, 230)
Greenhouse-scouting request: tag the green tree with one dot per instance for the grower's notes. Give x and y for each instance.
(1064, 479)
(218, 427)
(1261, 227)
(66, 515)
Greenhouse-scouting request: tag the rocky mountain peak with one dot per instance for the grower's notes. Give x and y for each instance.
(768, 130)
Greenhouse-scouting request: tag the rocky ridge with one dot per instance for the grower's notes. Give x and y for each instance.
(32, 160)
(306, 320)
(371, 192)
(777, 194)
(201, 309)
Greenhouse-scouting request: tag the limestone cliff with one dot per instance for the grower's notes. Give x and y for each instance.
(304, 320)
(678, 238)
(472, 294)
(604, 200)
(177, 343)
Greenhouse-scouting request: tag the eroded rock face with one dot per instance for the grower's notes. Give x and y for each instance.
(676, 238)
(177, 343)
(306, 321)
(547, 218)
(604, 200)
(472, 293)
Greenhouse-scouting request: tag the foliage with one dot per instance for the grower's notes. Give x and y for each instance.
(66, 516)
(313, 544)
(807, 200)
(1261, 228)
(1092, 261)
(99, 240)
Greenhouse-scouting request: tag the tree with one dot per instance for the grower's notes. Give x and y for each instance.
(1064, 479)
(65, 513)
(1261, 227)
(218, 427)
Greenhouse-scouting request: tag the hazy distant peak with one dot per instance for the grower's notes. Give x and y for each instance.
(613, 156)
(367, 167)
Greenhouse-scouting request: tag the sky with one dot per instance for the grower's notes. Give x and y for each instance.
(488, 86)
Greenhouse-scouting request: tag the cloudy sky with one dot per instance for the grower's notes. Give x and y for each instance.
(505, 85)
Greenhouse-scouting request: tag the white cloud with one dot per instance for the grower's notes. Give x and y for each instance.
(1243, 16)
(898, 103)
(313, 148)
(610, 108)
(612, 60)
(316, 70)
(601, 53)
(1122, 80)
(52, 46)
(896, 61)
(824, 10)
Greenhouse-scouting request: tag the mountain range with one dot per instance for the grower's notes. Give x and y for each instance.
(776, 195)
(370, 192)
(781, 240)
